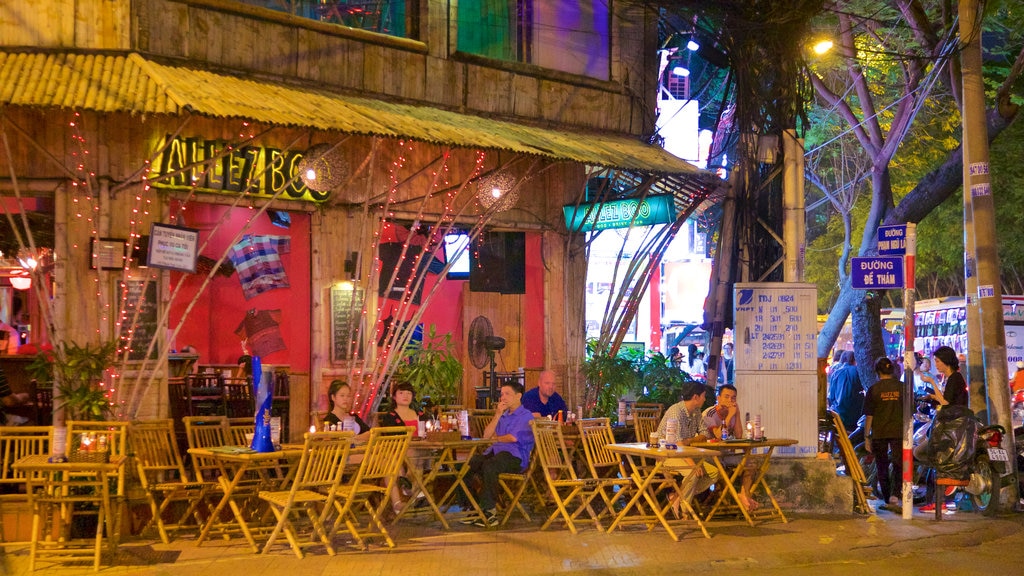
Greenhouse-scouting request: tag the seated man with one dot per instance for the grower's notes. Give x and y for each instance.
(726, 413)
(510, 453)
(689, 425)
(543, 401)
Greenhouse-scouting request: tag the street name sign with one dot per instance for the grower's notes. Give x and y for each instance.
(877, 273)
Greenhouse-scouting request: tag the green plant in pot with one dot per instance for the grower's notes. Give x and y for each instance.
(432, 368)
(608, 378)
(661, 382)
(76, 372)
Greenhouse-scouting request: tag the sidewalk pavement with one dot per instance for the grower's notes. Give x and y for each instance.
(523, 550)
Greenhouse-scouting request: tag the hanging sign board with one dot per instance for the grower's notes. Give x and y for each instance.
(892, 240)
(173, 248)
(660, 209)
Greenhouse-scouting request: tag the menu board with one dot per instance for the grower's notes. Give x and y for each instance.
(776, 327)
(141, 296)
(346, 313)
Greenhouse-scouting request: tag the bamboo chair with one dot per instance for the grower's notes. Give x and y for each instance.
(645, 421)
(478, 421)
(238, 428)
(205, 432)
(16, 442)
(565, 487)
(163, 475)
(313, 490)
(374, 480)
(595, 435)
(861, 488)
(514, 485)
(116, 433)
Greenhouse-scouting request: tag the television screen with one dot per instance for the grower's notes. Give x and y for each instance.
(456, 250)
(498, 263)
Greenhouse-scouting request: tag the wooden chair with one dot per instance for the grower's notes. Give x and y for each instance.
(861, 488)
(238, 428)
(595, 435)
(478, 421)
(515, 485)
(163, 475)
(16, 442)
(566, 489)
(116, 433)
(313, 490)
(205, 432)
(238, 398)
(645, 421)
(374, 480)
(205, 395)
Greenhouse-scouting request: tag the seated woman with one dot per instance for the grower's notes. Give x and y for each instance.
(339, 396)
(401, 414)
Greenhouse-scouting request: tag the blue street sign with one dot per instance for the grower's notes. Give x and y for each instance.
(877, 273)
(892, 240)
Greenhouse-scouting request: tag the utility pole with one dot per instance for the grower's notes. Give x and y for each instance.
(978, 193)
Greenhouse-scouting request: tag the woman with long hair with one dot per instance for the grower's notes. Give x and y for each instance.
(954, 393)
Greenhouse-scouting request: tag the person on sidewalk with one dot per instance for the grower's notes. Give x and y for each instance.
(726, 413)
(883, 428)
(845, 392)
(954, 393)
(543, 401)
(689, 425)
(510, 453)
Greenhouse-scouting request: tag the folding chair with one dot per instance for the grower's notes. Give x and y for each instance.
(205, 432)
(514, 486)
(376, 476)
(645, 421)
(238, 428)
(116, 433)
(478, 421)
(595, 435)
(163, 475)
(16, 442)
(563, 484)
(313, 489)
(861, 488)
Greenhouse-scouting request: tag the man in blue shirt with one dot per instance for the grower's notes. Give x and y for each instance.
(510, 453)
(845, 392)
(543, 401)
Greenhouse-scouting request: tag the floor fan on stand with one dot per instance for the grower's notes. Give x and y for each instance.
(482, 344)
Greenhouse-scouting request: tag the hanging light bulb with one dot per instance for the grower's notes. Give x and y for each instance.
(497, 191)
(21, 280)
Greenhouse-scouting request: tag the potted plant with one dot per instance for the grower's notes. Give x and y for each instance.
(608, 378)
(661, 382)
(76, 372)
(432, 368)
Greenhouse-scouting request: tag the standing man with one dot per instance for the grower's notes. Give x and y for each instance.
(690, 427)
(845, 392)
(510, 453)
(543, 401)
(883, 427)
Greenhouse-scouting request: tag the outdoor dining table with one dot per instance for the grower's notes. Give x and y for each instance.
(427, 461)
(244, 472)
(649, 478)
(746, 449)
(61, 485)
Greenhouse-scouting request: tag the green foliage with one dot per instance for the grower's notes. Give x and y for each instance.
(77, 373)
(432, 368)
(649, 379)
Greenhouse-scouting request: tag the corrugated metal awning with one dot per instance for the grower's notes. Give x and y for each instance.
(131, 83)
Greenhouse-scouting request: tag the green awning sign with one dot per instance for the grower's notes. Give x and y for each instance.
(659, 209)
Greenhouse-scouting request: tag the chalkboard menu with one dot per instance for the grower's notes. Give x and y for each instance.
(141, 296)
(776, 327)
(346, 313)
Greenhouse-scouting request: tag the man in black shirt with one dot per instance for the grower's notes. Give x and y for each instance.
(883, 427)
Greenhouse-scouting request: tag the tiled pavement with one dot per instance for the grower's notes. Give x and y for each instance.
(522, 549)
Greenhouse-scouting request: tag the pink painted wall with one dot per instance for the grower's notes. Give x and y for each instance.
(211, 324)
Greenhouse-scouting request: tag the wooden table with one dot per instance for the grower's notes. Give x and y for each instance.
(58, 486)
(746, 448)
(650, 479)
(243, 474)
(444, 459)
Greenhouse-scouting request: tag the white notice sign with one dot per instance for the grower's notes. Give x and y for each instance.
(776, 327)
